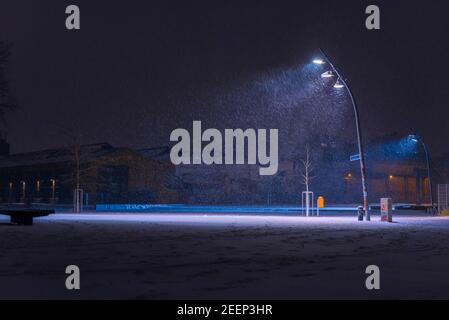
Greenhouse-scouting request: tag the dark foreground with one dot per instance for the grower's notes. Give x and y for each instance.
(224, 257)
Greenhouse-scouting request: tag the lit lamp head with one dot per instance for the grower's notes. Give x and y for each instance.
(338, 85)
(318, 61)
(327, 74)
(413, 137)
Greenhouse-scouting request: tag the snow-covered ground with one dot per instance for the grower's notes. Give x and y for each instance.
(197, 256)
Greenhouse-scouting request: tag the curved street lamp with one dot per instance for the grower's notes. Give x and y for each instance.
(417, 139)
(341, 83)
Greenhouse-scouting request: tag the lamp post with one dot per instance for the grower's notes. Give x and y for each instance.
(341, 83)
(416, 138)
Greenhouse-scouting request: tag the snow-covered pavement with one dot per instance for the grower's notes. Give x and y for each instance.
(157, 256)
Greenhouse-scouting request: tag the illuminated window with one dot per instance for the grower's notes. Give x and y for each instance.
(23, 183)
(53, 188)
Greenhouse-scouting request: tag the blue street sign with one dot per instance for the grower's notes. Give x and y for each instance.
(355, 157)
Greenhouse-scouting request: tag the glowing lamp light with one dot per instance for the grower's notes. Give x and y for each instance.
(327, 74)
(391, 176)
(338, 85)
(318, 61)
(413, 138)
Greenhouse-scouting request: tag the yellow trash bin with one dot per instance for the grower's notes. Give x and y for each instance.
(320, 202)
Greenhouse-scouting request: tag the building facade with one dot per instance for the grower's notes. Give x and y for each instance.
(105, 173)
(110, 175)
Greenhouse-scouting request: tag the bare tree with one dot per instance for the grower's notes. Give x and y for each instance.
(7, 102)
(74, 144)
(306, 178)
(307, 170)
(76, 174)
(76, 149)
(88, 173)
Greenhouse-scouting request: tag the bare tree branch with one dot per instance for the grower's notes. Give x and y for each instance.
(308, 169)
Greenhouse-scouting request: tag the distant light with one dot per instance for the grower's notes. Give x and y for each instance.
(391, 176)
(338, 85)
(349, 175)
(327, 74)
(318, 61)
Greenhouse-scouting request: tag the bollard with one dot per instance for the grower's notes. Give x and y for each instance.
(319, 204)
(360, 213)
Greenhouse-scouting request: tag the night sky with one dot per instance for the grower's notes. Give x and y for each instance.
(139, 69)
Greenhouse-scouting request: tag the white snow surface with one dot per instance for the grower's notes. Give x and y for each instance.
(219, 256)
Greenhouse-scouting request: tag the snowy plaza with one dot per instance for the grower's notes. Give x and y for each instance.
(225, 256)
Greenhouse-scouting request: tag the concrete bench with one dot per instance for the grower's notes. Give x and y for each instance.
(25, 216)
